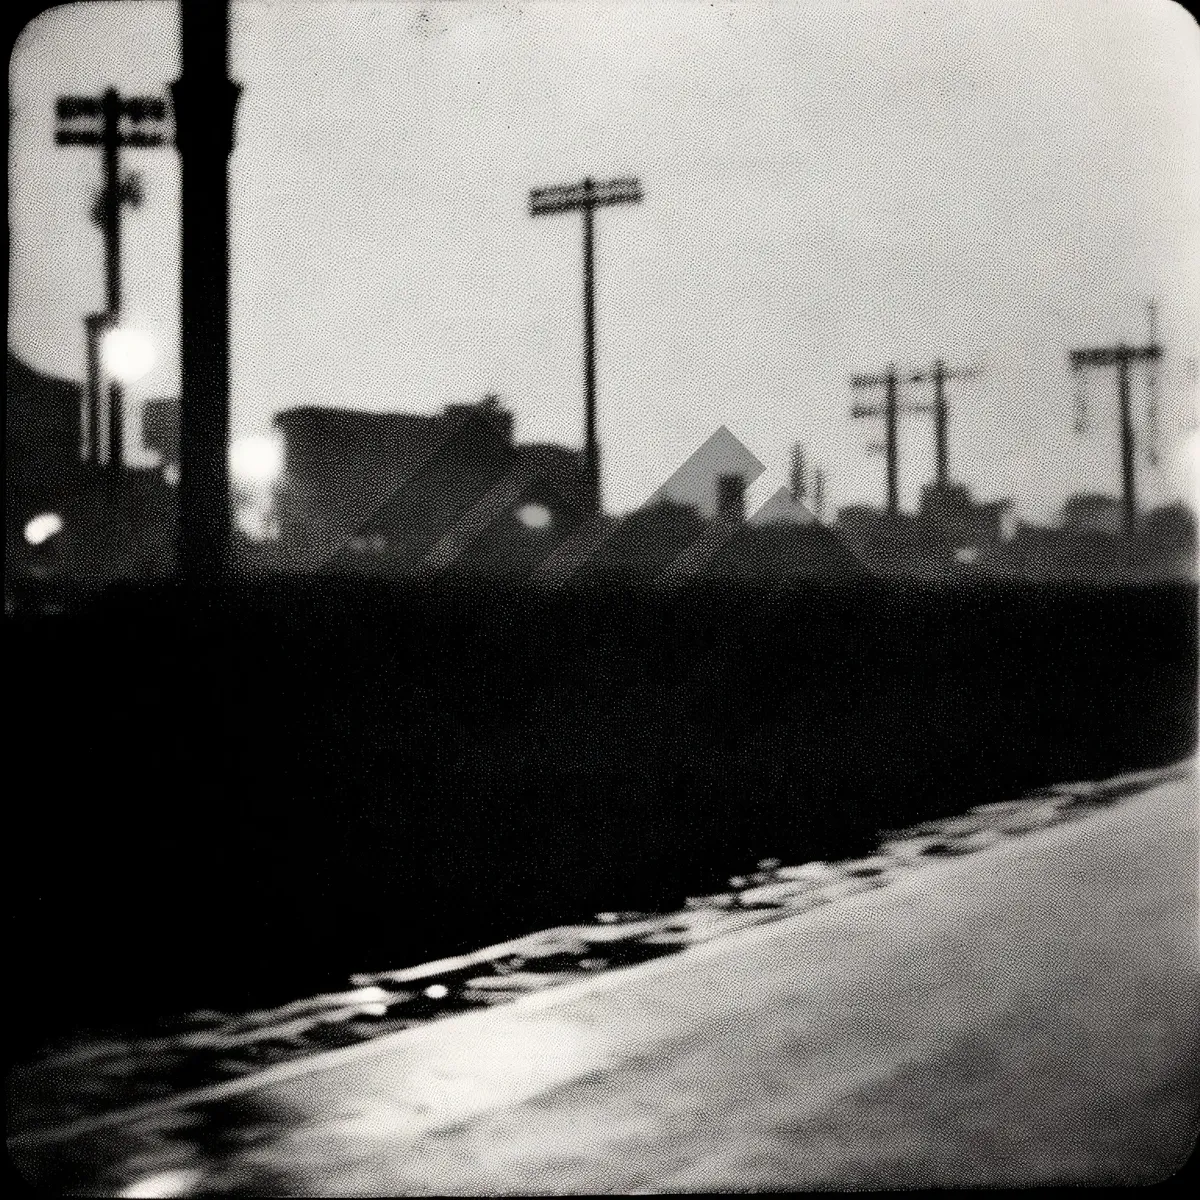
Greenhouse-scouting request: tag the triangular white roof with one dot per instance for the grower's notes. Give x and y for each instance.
(781, 509)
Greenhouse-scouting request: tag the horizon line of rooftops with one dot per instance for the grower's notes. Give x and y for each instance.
(160, 420)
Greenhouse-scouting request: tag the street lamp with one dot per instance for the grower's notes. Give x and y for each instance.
(256, 462)
(127, 353)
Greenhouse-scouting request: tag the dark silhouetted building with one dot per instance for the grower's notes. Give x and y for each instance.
(42, 467)
(667, 543)
(731, 497)
(973, 530)
(782, 553)
(897, 545)
(108, 528)
(1092, 549)
(41, 440)
(951, 536)
(401, 493)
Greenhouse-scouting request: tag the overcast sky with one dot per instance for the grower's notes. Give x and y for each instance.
(828, 187)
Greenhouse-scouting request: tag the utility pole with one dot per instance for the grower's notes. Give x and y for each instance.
(587, 197)
(797, 484)
(205, 100)
(95, 325)
(1152, 390)
(1121, 356)
(890, 412)
(819, 494)
(940, 375)
(110, 122)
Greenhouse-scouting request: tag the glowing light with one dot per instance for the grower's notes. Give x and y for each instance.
(967, 555)
(164, 1184)
(437, 991)
(256, 521)
(127, 353)
(256, 460)
(501, 1064)
(370, 995)
(42, 528)
(534, 516)
(170, 474)
(374, 1010)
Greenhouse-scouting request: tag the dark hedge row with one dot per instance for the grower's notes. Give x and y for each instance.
(238, 798)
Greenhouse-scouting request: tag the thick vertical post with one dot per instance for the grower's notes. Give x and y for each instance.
(591, 445)
(940, 418)
(116, 431)
(111, 201)
(116, 428)
(111, 206)
(891, 448)
(94, 326)
(1129, 498)
(204, 101)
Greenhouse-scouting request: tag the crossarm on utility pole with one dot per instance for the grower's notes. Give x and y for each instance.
(940, 375)
(1121, 356)
(585, 197)
(889, 412)
(111, 123)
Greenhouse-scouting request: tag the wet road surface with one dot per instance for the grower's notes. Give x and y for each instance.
(1025, 1015)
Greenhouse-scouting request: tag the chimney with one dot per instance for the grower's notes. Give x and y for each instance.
(731, 498)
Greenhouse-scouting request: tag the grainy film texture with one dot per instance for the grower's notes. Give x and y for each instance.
(602, 596)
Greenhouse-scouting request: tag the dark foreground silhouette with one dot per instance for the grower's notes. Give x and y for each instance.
(236, 797)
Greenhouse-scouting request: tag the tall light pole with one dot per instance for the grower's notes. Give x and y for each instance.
(94, 325)
(205, 100)
(586, 197)
(109, 122)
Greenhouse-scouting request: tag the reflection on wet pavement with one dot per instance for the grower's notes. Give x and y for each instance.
(146, 1142)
